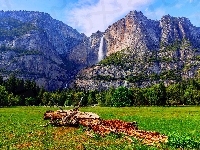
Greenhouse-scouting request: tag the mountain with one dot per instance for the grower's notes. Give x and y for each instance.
(139, 52)
(37, 47)
(134, 51)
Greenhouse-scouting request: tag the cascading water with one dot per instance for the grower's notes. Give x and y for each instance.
(101, 51)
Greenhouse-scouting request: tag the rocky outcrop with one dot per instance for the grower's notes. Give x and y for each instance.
(94, 40)
(135, 31)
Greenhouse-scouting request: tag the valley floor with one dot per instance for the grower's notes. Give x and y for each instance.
(20, 128)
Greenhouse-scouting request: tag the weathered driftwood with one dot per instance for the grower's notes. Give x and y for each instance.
(68, 117)
(93, 122)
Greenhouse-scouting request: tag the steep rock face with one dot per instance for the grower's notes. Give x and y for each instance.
(30, 56)
(135, 31)
(35, 46)
(176, 29)
(86, 53)
(62, 37)
(142, 52)
(94, 40)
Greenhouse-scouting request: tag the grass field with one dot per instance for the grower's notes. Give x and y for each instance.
(20, 128)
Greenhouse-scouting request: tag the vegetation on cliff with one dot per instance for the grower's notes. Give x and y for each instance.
(11, 28)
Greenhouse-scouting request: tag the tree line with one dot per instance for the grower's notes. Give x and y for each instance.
(19, 92)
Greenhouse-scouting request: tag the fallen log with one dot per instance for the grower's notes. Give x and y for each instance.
(102, 127)
(68, 117)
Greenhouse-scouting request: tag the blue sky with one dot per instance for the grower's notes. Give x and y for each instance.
(88, 16)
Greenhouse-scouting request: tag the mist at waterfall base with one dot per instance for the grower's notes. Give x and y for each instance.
(100, 52)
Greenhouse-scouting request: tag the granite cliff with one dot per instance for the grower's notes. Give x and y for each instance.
(141, 52)
(37, 47)
(134, 51)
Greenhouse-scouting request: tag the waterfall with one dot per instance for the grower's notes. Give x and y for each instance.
(101, 49)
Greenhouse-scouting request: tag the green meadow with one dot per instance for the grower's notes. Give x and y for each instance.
(20, 128)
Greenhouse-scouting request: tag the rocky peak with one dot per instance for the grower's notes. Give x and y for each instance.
(178, 29)
(174, 29)
(62, 36)
(136, 15)
(95, 39)
(135, 31)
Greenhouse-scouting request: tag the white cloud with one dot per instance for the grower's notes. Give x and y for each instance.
(88, 17)
(5, 5)
(155, 13)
